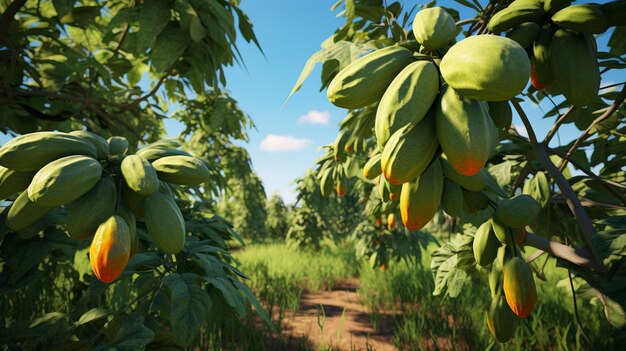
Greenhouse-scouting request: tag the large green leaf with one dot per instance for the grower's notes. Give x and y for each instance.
(153, 17)
(169, 47)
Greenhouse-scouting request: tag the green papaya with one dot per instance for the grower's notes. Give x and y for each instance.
(516, 14)
(110, 249)
(365, 80)
(165, 223)
(550, 7)
(87, 213)
(62, 181)
(23, 212)
(102, 146)
(139, 175)
(485, 244)
(372, 168)
(542, 68)
(134, 201)
(394, 191)
(383, 189)
(501, 114)
(326, 183)
(340, 142)
(124, 212)
(461, 126)
(12, 182)
(615, 11)
(409, 151)
(434, 28)
(518, 211)
(525, 33)
(30, 152)
(539, 188)
(495, 272)
(341, 186)
(474, 201)
(158, 151)
(118, 146)
(486, 67)
(502, 322)
(452, 198)
(477, 182)
(420, 198)
(575, 66)
(183, 170)
(519, 287)
(408, 99)
(587, 18)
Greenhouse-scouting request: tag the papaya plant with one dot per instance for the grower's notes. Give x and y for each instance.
(108, 233)
(430, 94)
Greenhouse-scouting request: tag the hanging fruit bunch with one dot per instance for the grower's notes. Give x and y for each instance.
(103, 189)
(442, 107)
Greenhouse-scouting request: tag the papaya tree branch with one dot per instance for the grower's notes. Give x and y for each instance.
(608, 113)
(557, 125)
(154, 90)
(529, 128)
(570, 196)
(565, 252)
(7, 18)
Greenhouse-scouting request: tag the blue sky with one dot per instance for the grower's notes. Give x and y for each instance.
(289, 32)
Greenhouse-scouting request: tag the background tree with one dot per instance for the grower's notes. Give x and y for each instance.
(276, 225)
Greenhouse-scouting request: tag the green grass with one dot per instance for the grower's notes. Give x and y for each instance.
(402, 297)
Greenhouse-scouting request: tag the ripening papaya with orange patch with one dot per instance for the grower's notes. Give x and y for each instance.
(421, 197)
(519, 287)
(110, 249)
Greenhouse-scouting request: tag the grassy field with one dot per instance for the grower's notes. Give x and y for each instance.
(402, 297)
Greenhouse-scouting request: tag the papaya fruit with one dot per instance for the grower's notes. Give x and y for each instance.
(495, 272)
(110, 249)
(383, 189)
(372, 168)
(165, 223)
(365, 80)
(420, 198)
(118, 146)
(501, 114)
(542, 77)
(525, 33)
(462, 126)
(153, 153)
(23, 212)
(515, 14)
(12, 182)
(434, 28)
(539, 188)
(477, 182)
(575, 66)
(452, 198)
(391, 221)
(474, 201)
(124, 212)
(550, 7)
(588, 18)
(519, 287)
(139, 175)
(183, 170)
(485, 245)
(409, 151)
(341, 186)
(394, 191)
(101, 144)
(326, 183)
(518, 211)
(486, 67)
(134, 201)
(62, 181)
(615, 12)
(502, 322)
(85, 215)
(340, 143)
(407, 100)
(30, 152)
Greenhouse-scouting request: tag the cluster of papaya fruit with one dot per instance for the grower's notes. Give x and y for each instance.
(443, 98)
(102, 188)
(559, 39)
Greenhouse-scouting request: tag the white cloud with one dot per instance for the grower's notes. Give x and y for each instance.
(280, 143)
(315, 117)
(521, 130)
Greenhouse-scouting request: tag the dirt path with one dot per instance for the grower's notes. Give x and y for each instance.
(346, 325)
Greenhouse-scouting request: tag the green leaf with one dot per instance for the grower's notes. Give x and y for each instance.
(169, 47)
(190, 307)
(63, 6)
(197, 32)
(350, 11)
(154, 16)
(93, 315)
(617, 43)
(132, 335)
